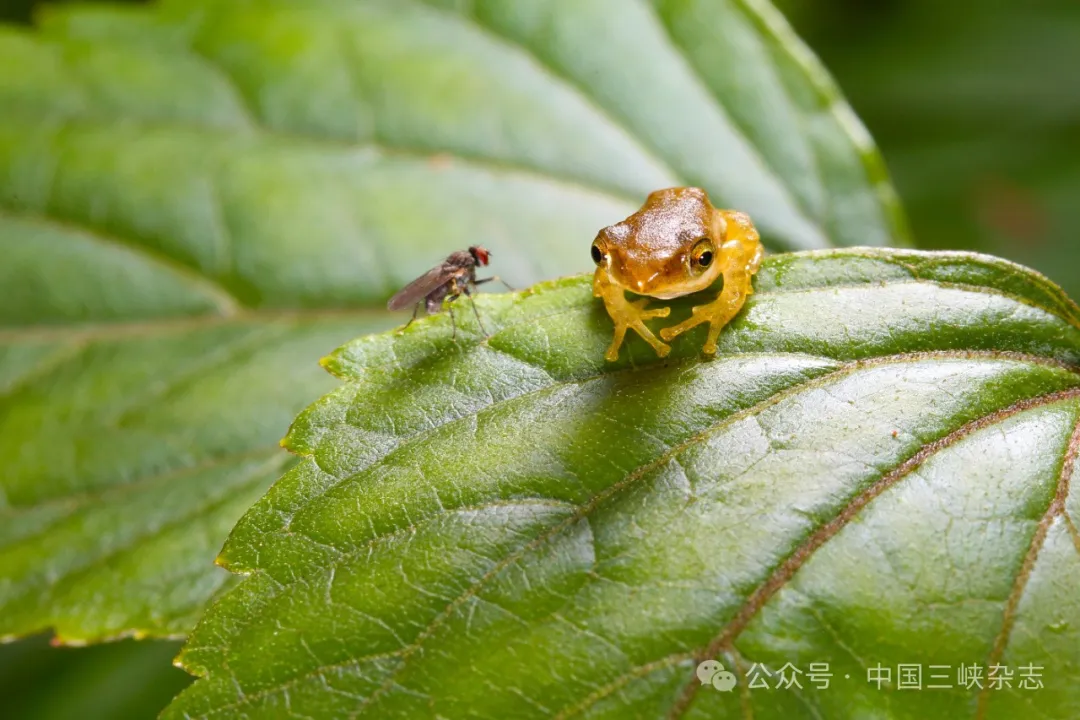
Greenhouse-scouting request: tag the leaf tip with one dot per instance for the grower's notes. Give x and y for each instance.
(181, 661)
(290, 445)
(332, 364)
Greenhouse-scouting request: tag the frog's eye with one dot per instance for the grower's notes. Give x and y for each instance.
(701, 256)
(597, 254)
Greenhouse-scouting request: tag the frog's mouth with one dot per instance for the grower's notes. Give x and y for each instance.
(671, 290)
(668, 294)
(641, 287)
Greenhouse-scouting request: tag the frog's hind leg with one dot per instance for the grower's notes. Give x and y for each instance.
(741, 255)
(627, 316)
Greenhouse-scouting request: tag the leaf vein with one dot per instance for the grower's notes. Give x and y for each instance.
(1055, 509)
(783, 572)
(562, 78)
(225, 303)
(790, 565)
(72, 576)
(752, 149)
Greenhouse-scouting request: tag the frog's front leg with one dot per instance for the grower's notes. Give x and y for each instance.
(627, 315)
(740, 257)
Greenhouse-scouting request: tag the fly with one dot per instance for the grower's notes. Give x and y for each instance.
(453, 277)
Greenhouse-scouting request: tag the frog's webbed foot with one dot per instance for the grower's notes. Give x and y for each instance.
(741, 254)
(630, 316)
(717, 313)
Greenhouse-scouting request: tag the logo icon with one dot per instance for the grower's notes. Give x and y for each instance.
(712, 672)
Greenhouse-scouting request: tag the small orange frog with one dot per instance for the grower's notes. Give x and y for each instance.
(675, 245)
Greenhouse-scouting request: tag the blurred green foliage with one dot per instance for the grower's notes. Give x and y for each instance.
(976, 107)
(23, 10)
(130, 680)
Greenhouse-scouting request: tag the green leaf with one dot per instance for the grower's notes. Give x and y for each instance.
(129, 452)
(875, 469)
(197, 199)
(599, 101)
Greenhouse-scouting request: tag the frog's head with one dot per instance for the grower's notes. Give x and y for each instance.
(667, 248)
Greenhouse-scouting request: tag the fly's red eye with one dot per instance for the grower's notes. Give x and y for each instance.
(482, 255)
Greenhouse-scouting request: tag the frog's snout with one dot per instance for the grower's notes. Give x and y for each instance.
(642, 285)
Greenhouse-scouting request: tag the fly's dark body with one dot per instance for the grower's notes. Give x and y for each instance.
(454, 277)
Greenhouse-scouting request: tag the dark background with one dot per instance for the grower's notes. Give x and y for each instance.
(976, 106)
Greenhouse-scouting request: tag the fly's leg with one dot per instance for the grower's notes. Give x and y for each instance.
(493, 277)
(416, 309)
(472, 301)
(627, 315)
(740, 255)
(453, 322)
(448, 294)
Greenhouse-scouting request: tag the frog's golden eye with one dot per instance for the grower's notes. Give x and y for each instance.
(598, 255)
(701, 256)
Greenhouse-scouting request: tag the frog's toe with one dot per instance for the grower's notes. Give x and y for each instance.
(658, 347)
(670, 333)
(698, 315)
(612, 353)
(642, 313)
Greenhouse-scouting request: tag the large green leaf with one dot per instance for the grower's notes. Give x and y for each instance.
(198, 199)
(874, 469)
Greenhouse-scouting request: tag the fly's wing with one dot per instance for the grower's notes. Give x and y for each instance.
(418, 289)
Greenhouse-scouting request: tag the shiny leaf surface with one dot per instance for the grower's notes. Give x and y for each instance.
(876, 469)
